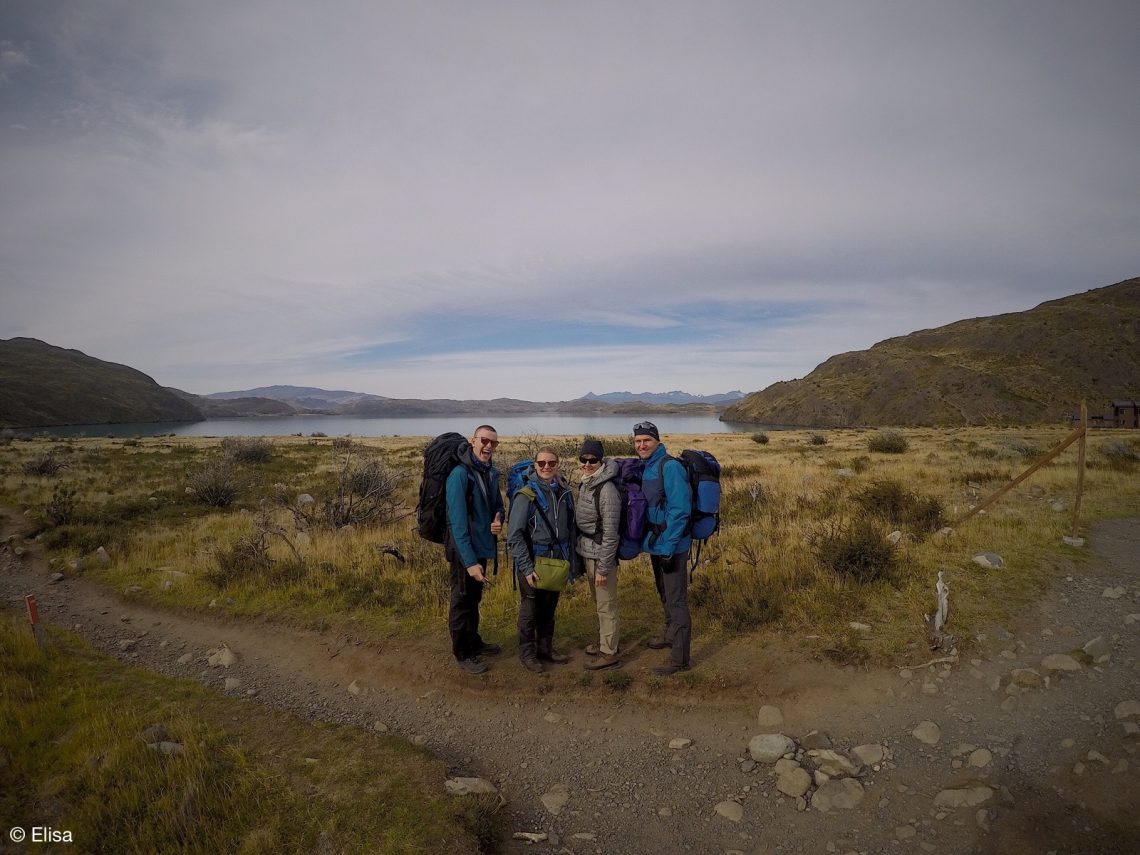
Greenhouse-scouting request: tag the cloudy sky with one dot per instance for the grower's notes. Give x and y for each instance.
(540, 199)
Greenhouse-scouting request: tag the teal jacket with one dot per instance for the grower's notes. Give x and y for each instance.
(670, 500)
(473, 499)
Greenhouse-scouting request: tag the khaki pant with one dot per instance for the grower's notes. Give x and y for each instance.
(605, 599)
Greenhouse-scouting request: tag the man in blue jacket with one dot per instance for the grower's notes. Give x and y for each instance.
(669, 499)
(474, 521)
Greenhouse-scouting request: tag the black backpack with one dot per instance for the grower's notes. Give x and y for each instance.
(441, 456)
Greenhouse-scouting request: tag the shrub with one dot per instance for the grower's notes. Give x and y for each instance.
(1021, 447)
(740, 599)
(817, 439)
(760, 438)
(887, 442)
(44, 465)
(343, 443)
(215, 484)
(861, 463)
(617, 681)
(856, 550)
(247, 449)
(889, 500)
(61, 509)
(248, 556)
(366, 494)
(1119, 456)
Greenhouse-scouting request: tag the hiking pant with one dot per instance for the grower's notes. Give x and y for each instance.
(463, 613)
(536, 619)
(605, 600)
(671, 576)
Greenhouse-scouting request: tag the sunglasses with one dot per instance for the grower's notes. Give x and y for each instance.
(494, 443)
(546, 464)
(589, 461)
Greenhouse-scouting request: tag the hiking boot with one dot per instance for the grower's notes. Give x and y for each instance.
(592, 649)
(473, 666)
(658, 644)
(489, 648)
(669, 669)
(603, 663)
(547, 653)
(532, 664)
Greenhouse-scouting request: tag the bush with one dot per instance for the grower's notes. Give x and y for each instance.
(760, 438)
(1021, 447)
(740, 599)
(247, 449)
(248, 556)
(366, 494)
(887, 442)
(61, 509)
(857, 550)
(215, 484)
(889, 500)
(44, 465)
(817, 439)
(617, 681)
(1119, 456)
(343, 443)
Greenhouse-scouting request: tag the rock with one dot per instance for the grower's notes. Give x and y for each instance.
(680, 743)
(185, 659)
(1097, 650)
(943, 533)
(55, 578)
(869, 755)
(1127, 710)
(1097, 757)
(1114, 593)
(844, 794)
(128, 643)
(980, 758)
(815, 739)
(222, 657)
(1131, 729)
(530, 836)
(555, 799)
(1026, 678)
(354, 688)
(769, 719)
(769, 747)
(155, 733)
(232, 683)
(379, 727)
(747, 765)
(585, 837)
(1077, 542)
(732, 811)
(1056, 663)
(305, 499)
(78, 565)
(844, 473)
(820, 778)
(166, 747)
(855, 626)
(905, 832)
(988, 559)
(895, 536)
(303, 539)
(833, 764)
(971, 795)
(1132, 620)
(174, 576)
(793, 782)
(927, 732)
(982, 818)
(102, 557)
(552, 718)
(469, 786)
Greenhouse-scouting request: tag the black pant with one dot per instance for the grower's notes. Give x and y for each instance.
(671, 576)
(536, 619)
(463, 614)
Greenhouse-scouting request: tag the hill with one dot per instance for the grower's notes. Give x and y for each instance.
(45, 385)
(663, 398)
(1029, 367)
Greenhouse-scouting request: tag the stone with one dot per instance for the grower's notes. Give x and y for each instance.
(174, 576)
(980, 758)
(1056, 663)
(354, 688)
(988, 559)
(1127, 710)
(732, 811)
(869, 755)
(232, 683)
(1097, 757)
(769, 719)
(895, 536)
(155, 733)
(680, 743)
(1097, 650)
(769, 747)
(223, 657)
(1026, 678)
(794, 782)
(967, 796)
(855, 626)
(185, 659)
(54, 578)
(905, 832)
(815, 739)
(128, 643)
(1114, 593)
(166, 747)
(943, 533)
(552, 718)
(530, 836)
(927, 732)
(102, 557)
(555, 799)
(1131, 729)
(305, 499)
(1077, 542)
(843, 794)
(379, 727)
(834, 764)
(469, 786)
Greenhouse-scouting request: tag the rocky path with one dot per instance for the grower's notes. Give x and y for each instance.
(1004, 751)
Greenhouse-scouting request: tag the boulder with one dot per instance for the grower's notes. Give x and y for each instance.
(1057, 663)
(834, 764)
(469, 786)
(769, 747)
(927, 732)
(793, 782)
(970, 795)
(1026, 678)
(815, 739)
(1127, 710)
(730, 810)
(843, 794)
(555, 799)
(989, 559)
(869, 755)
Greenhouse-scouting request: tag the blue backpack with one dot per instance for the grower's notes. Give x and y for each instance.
(703, 473)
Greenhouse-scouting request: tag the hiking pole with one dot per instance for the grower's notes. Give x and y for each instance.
(34, 619)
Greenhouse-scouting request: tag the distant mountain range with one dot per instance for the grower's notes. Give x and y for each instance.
(1020, 368)
(663, 398)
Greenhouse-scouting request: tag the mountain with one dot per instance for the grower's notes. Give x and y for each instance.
(1029, 367)
(41, 384)
(305, 398)
(663, 398)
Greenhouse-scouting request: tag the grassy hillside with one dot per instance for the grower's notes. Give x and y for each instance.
(1021, 368)
(45, 385)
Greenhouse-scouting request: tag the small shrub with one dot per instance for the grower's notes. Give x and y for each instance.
(857, 551)
(860, 464)
(215, 484)
(740, 599)
(366, 494)
(980, 476)
(1021, 447)
(318, 433)
(343, 443)
(61, 509)
(247, 449)
(1119, 456)
(44, 465)
(887, 442)
(248, 556)
(760, 438)
(889, 500)
(817, 439)
(617, 681)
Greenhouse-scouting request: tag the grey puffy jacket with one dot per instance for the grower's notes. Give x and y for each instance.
(598, 515)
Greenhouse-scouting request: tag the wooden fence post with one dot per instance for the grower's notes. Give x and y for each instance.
(1081, 466)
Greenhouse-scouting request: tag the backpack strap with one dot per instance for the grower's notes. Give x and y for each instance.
(659, 528)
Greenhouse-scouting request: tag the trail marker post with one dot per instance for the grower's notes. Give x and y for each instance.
(34, 619)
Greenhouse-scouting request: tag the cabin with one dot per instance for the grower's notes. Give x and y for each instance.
(1123, 414)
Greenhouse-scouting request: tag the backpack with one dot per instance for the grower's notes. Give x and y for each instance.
(702, 471)
(633, 506)
(517, 479)
(441, 456)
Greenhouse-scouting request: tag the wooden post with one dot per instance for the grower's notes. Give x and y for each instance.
(1081, 466)
(34, 619)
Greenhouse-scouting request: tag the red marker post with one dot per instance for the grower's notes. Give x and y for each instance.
(34, 619)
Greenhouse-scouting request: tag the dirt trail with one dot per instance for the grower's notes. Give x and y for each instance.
(629, 792)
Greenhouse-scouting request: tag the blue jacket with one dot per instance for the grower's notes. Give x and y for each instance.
(473, 499)
(529, 536)
(672, 510)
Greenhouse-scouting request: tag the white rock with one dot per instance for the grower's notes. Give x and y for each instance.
(185, 659)
(1132, 620)
(1059, 662)
(968, 796)
(927, 732)
(102, 556)
(1077, 542)
(468, 786)
(794, 782)
(530, 836)
(844, 794)
(354, 688)
(732, 811)
(305, 499)
(552, 718)
(868, 755)
(988, 559)
(1098, 650)
(859, 627)
(232, 683)
(680, 743)
(769, 747)
(770, 719)
(833, 763)
(379, 727)
(166, 747)
(223, 657)
(1127, 710)
(895, 536)
(555, 798)
(980, 758)
(1114, 593)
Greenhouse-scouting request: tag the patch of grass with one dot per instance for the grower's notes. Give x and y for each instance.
(617, 681)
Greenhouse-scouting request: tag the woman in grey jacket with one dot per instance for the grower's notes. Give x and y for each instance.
(598, 519)
(541, 523)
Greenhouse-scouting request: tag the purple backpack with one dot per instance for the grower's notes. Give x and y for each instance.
(633, 506)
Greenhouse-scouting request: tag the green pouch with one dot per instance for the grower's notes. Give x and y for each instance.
(551, 574)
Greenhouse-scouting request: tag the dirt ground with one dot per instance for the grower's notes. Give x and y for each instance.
(594, 771)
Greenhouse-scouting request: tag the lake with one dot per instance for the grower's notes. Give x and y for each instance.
(545, 424)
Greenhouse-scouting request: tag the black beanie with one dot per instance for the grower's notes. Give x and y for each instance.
(593, 448)
(646, 429)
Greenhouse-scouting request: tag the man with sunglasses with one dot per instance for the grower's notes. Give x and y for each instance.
(668, 497)
(474, 521)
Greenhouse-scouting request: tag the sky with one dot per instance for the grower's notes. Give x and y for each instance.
(542, 199)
